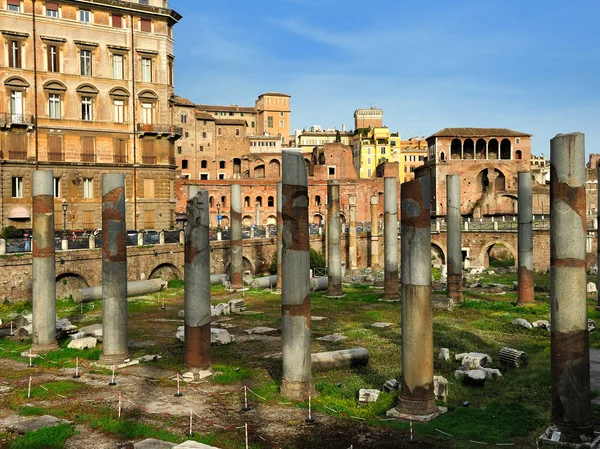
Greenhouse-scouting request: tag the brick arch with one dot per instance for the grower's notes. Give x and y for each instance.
(484, 254)
(165, 271)
(67, 283)
(440, 251)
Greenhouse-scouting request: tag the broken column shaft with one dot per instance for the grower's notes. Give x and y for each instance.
(417, 396)
(334, 253)
(570, 357)
(390, 237)
(525, 285)
(454, 282)
(352, 233)
(237, 260)
(43, 264)
(296, 380)
(279, 235)
(374, 231)
(114, 271)
(196, 295)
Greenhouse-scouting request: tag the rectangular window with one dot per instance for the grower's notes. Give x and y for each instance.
(148, 154)
(87, 149)
(54, 106)
(117, 67)
(171, 74)
(518, 140)
(117, 21)
(51, 9)
(281, 123)
(149, 188)
(85, 16)
(119, 151)
(55, 151)
(146, 25)
(17, 187)
(221, 176)
(382, 150)
(88, 188)
(88, 219)
(13, 5)
(252, 124)
(85, 59)
(147, 113)
(119, 111)
(369, 171)
(149, 219)
(17, 146)
(270, 122)
(204, 176)
(57, 188)
(16, 105)
(14, 55)
(52, 58)
(146, 70)
(86, 109)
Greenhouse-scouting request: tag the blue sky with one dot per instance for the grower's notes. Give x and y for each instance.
(528, 65)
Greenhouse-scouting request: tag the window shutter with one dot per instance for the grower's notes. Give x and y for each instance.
(14, 2)
(51, 6)
(117, 21)
(146, 25)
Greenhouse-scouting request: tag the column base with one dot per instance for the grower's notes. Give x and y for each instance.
(580, 439)
(108, 360)
(42, 349)
(416, 407)
(402, 415)
(297, 391)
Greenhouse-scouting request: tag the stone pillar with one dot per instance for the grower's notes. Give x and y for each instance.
(417, 398)
(161, 237)
(454, 262)
(296, 380)
(525, 288)
(334, 253)
(43, 264)
(92, 241)
(390, 237)
(352, 234)
(374, 231)
(237, 260)
(114, 271)
(279, 236)
(64, 243)
(570, 356)
(140, 239)
(196, 297)
(2, 246)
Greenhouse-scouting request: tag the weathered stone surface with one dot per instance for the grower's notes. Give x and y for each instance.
(382, 325)
(194, 445)
(93, 330)
(181, 314)
(367, 395)
(591, 325)
(474, 360)
(460, 357)
(333, 337)
(83, 343)
(593, 270)
(152, 443)
(591, 287)
(474, 378)
(22, 425)
(522, 322)
(491, 373)
(180, 334)
(317, 318)
(444, 354)
(220, 336)
(237, 305)
(475, 271)
(541, 324)
(64, 325)
(440, 388)
(220, 309)
(260, 330)
(390, 385)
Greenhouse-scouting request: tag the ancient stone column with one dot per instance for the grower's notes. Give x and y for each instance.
(196, 296)
(296, 380)
(417, 398)
(114, 271)
(237, 261)
(374, 231)
(352, 234)
(279, 235)
(43, 264)
(390, 237)
(525, 240)
(570, 357)
(334, 253)
(454, 262)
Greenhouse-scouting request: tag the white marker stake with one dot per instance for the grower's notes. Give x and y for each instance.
(191, 412)
(112, 380)
(76, 376)
(11, 329)
(178, 394)
(246, 427)
(30, 359)
(310, 418)
(119, 405)
(246, 408)
(29, 388)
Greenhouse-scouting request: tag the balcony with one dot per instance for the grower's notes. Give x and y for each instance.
(151, 160)
(88, 157)
(119, 159)
(17, 155)
(56, 157)
(7, 119)
(161, 129)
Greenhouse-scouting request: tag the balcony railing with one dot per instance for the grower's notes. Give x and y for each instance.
(119, 159)
(56, 157)
(6, 118)
(159, 129)
(17, 155)
(88, 157)
(148, 159)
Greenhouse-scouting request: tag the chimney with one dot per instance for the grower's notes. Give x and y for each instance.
(343, 128)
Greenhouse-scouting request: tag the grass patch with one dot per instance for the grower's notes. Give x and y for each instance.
(228, 375)
(175, 283)
(48, 438)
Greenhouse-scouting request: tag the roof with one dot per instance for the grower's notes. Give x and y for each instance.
(231, 108)
(276, 94)
(479, 132)
(204, 116)
(231, 121)
(180, 101)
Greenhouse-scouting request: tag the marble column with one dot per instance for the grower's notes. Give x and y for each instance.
(237, 259)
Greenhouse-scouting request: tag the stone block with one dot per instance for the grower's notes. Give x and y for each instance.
(93, 330)
(152, 443)
(390, 385)
(24, 425)
(180, 334)
(220, 309)
(193, 445)
(591, 287)
(260, 330)
(221, 336)
(440, 388)
(333, 337)
(491, 373)
(541, 324)
(181, 314)
(522, 322)
(444, 354)
(382, 325)
(474, 378)
(367, 395)
(237, 305)
(83, 343)
(474, 360)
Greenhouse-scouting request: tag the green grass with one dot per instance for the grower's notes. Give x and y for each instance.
(48, 438)
(50, 389)
(227, 374)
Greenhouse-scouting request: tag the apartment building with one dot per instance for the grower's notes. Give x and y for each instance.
(88, 89)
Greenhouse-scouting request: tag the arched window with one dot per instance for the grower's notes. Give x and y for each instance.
(270, 202)
(518, 154)
(318, 200)
(183, 117)
(258, 201)
(224, 201)
(442, 156)
(456, 149)
(211, 201)
(237, 131)
(247, 201)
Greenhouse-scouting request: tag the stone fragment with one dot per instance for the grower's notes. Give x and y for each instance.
(25, 331)
(522, 322)
(64, 325)
(382, 325)
(474, 271)
(152, 443)
(237, 305)
(474, 378)
(593, 270)
(77, 335)
(181, 314)
(83, 343)
(591, 325)
(460, 357)
(221, 336)
(491, 373)
(390, 385)
(220, 309)
(367, 395)
(260, 330)
(541, 324)
(22, 425)
(444, 354)
(180, 334)
(591, 287)
(333, 337)
(23, 320)
(459, 374)
(193, 445)
(149, 358)
(474, 360)
(476, 284)
(440, 388)
(93, 330)
(513, 358)
(317, 318)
